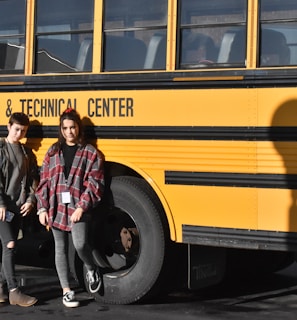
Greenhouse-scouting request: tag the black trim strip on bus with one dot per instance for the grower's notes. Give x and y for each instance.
(174, 133)
(226, 179)
(236, 78)
(275, 134)
(239, 238)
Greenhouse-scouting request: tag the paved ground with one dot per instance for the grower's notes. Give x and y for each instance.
(273, 297)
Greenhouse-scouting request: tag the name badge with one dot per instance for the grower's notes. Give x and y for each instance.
(66, 197)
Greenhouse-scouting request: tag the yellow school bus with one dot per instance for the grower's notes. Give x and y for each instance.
(193, 104)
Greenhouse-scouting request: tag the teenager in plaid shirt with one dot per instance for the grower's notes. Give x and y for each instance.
(71, 183)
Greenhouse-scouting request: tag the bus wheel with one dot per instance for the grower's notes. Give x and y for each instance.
(129, 243)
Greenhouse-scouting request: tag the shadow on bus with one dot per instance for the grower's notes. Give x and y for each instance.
(34, 135)
(89, 131)
(283, 134)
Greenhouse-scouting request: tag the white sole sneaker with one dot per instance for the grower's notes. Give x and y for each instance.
(69, 300)
(94, 280)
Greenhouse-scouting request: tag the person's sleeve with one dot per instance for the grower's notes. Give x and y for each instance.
(42, 190)
(3, 169)
(33, 177)
(93, 182)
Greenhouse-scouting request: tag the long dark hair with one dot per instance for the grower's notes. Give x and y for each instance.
(69, 114)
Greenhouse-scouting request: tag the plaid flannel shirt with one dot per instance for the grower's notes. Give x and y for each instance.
(85, 184)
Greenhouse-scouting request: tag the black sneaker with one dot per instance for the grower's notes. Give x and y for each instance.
(94, 280)
(69, 300)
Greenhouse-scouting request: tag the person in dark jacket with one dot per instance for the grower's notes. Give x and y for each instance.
(18, 180)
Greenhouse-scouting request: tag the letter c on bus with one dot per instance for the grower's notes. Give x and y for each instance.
(91, 101)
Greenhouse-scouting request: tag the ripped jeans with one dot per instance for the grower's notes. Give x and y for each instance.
(9, 232)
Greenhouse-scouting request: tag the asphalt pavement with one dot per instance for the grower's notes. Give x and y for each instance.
(273, 297)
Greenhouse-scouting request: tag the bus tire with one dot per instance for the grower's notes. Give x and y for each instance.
(132, 205)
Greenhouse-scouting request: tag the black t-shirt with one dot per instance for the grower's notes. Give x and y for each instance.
(69, 154)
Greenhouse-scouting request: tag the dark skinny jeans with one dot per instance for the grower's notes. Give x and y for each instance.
(9, 232)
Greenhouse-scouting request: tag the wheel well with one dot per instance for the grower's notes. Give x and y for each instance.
(113, 169)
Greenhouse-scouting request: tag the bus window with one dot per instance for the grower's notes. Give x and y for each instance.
(278, 26)
(134, 35)
(212, 33)
(12, 36)
(64, 38)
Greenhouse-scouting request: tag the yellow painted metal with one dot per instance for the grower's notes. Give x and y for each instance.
(190, 107)
(171, 35)
(97, 39)
(252, 34)
(227, 207)
(230, 207)
(29, 37)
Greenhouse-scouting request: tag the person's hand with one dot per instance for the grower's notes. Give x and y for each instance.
(26, 208)
(2, 213)
(76, 215)
(43, 218)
